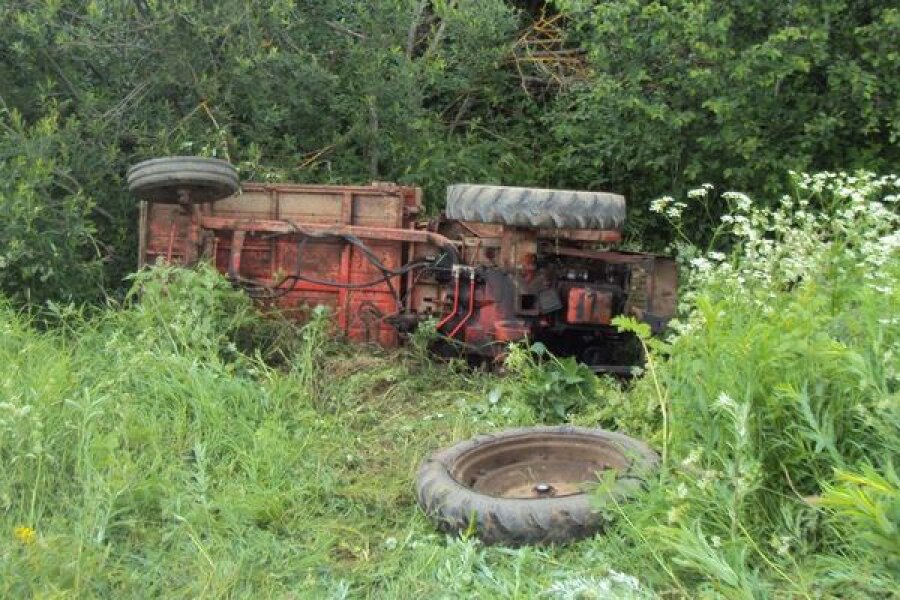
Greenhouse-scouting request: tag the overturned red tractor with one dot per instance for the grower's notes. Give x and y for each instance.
(503, 264)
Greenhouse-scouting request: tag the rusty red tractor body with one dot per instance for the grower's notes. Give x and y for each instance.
(504, 269)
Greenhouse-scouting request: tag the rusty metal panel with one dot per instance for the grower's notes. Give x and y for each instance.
(252, 203)
(250, 237)
(377, 211)
(587, 306)
(143, 231)
(310, 207)
(653, 291)
(166, 233)
(664, 288)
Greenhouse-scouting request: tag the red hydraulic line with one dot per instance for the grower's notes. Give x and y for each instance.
(446, 319)
(471, 310)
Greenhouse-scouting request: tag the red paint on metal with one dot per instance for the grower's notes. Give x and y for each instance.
(471, 307)
(287, 227)
(511, 331)
(455, 308)
(587, 306)
(171, 242)
(234, 257)
(269, 232)
(357, 250)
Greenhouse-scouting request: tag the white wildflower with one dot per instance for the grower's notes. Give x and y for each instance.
(742, 201)
(674, 515)
(660, 204)
(781, 544)
(613, 585)
(675, 209)
(701, 264)
(692, 458)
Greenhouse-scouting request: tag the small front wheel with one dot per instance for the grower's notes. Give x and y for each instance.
(177, 179)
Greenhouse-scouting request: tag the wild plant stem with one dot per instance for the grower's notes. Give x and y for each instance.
(766, 559)
(663, 403)
(647, 544)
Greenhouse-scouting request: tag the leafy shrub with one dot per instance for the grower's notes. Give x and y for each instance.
(783, 387)
(869, 504)
(48, 248)
(179, 310)
(142, 459)
(737, 92)
(555, 388)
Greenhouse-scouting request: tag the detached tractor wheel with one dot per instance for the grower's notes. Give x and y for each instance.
(533, 207)
(177, 179)
(529, 485)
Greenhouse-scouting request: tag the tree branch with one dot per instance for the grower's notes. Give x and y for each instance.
(341, 29)
(412, 35)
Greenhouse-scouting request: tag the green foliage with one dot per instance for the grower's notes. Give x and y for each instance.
(314, 338)
(869, 504)
(48, 247)
(139, 461)
(736, 92)
(553, 387)
(782, 385)
(186, 309)
(431, 93)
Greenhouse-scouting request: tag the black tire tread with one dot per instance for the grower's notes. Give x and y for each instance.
(159, 179)
(511, 521)
(535, 207)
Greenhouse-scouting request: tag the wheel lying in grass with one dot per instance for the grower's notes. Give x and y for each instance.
(528, 485)
(533, 207)
(176, 178)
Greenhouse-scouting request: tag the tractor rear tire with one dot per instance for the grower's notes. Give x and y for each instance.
(168, 179)
(493, 485)
(533, 207)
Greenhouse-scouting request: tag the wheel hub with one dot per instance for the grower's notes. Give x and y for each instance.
(537, 467)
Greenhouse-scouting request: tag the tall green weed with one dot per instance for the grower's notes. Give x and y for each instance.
(143, 453)
(784, 396)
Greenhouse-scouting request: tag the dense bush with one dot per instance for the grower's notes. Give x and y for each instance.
(555, 388)
(144, 455)
(48, 245)
(435, 92)
(736, 92)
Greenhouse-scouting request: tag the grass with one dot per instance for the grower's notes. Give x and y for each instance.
(182, 446)
(152, 458)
